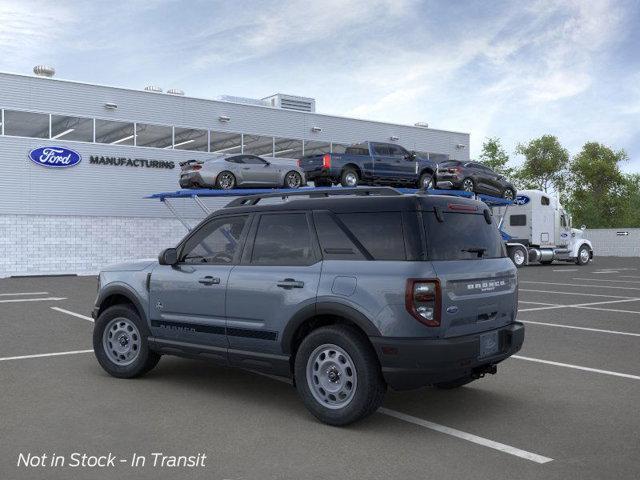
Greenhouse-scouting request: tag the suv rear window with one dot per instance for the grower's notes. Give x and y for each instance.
(283, 239)
(461, 236)
(379, 232)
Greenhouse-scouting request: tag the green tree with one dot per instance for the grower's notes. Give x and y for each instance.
(495, 157)
(545, 164)
(599, 193)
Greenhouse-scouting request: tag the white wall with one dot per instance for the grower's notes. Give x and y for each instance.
(610, 242)
(51, 244)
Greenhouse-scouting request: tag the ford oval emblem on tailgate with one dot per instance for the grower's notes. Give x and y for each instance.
(55, 157)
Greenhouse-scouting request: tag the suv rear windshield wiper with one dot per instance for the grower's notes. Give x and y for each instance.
(479, 250)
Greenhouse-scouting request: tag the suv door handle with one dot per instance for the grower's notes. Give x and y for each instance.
(289, 283)
(209, 280)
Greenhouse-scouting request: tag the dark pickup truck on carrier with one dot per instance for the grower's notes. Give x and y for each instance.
(370, 163)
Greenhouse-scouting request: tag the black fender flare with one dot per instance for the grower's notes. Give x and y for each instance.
(326, 308)
(125, 291)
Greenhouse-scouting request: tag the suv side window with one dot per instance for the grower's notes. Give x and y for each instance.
(379, 232)
(216, 243)
(334, 242)
(283, 239)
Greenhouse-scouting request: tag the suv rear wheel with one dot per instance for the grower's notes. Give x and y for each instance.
(120, 343)
(338, 376)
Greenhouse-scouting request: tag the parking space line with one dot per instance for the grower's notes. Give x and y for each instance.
(443, 429)
(22, 293)
(579, 285)
(485, 442)
(541, 303)
(44, 299)
(577, 367)
(40, 355)
(583, 305)
(577, 293)
(604, 280)
(566, 269)
(573, 327)
(73, 314)
(608, 309)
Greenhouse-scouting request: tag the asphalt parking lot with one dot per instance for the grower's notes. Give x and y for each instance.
(566, 407)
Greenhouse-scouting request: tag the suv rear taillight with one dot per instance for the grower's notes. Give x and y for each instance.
(423, 300)
(326, 161)
(299, 162)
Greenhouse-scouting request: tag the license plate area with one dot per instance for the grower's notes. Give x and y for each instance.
(489, 344)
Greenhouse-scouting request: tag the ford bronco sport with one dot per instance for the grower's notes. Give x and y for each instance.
(348, 294)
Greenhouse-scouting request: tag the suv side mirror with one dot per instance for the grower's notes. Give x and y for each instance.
(169, 256)
(410, 156)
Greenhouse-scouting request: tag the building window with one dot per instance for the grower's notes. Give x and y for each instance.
(338, 147)
(72, 128)
(157, 136)
(190, 139)
(114, 133)
(26, 124)
(224, 142)
(258, 145)
(287, 148)
(312, 147)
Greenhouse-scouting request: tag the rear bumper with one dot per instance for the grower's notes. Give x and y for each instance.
(319, 173)
(412, 363)
(190, 180)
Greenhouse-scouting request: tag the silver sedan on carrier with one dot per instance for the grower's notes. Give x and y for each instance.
(240, 170)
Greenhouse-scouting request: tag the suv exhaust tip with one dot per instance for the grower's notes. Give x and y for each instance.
(480, 372)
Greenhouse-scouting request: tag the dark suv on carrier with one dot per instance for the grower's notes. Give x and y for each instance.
(347, 295)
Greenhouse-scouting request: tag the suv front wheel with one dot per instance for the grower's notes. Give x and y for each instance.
(338, 376)
(120, 343)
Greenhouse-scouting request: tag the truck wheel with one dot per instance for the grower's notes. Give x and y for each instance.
(583, 255)
(426, 181)
(338, 376)
(349, 178)
(120, 343)
(468, 185)
(518, 256)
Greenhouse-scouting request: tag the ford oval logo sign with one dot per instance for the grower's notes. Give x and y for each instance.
(56, 157)
(521, 200)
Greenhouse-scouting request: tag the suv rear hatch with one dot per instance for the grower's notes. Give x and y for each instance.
(478, 282)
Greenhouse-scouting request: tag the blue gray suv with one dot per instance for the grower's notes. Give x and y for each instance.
(346, 295)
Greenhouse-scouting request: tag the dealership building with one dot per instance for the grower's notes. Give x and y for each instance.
(127, 144)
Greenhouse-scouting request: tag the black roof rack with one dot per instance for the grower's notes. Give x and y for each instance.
(316, 193)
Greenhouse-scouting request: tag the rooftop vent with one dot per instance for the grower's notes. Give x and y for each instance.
(153, 88)
(44, 71)
(292, 102)
(175, 91)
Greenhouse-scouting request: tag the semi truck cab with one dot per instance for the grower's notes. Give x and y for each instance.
(537, 229)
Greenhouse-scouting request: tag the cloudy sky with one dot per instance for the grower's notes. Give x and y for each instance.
(515, 70)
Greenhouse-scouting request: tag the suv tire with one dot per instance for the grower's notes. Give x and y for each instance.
(120, 343)
(334, 357)
(349, 178)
